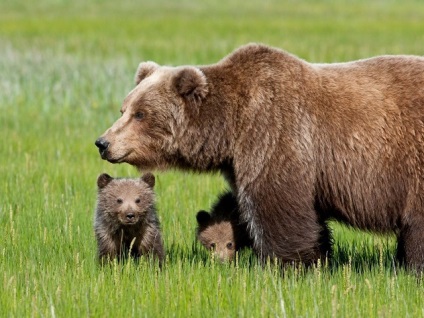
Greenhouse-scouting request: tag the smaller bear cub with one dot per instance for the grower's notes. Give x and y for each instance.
(125, 222)
(221, 230)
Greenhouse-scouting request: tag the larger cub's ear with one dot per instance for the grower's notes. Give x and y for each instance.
(203, 218)
(144, 70)
(103, 180)
(148, 178)
(191, 83)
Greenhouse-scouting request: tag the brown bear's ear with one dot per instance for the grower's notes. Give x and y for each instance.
(203, 217)
(103, 180)
(145, 69)
(149, 178)
(191, 83)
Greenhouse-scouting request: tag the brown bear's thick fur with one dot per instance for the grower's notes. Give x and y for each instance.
(221, 230)
(299, 143)
(125, 221)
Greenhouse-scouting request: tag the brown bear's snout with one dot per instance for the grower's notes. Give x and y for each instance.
(102, 144)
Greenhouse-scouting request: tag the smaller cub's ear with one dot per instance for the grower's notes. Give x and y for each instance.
(149, 178)
(103, 180)
(191, 83)
(144, 70)
(203, 217)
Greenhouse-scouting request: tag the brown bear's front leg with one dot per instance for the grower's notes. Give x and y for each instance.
(285, 226)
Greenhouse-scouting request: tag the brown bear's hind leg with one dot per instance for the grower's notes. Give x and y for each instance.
(410, 250)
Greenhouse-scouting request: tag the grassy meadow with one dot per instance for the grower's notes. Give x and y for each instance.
(65, 67)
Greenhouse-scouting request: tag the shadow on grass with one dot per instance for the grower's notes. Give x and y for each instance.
(360, 255)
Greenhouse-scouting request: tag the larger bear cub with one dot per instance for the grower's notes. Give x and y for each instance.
(299, 143)
(125, 222)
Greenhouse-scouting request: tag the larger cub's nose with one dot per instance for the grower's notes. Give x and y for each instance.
(102, 144)
(130, 216)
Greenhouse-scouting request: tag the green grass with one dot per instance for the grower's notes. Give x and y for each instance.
(65, 67)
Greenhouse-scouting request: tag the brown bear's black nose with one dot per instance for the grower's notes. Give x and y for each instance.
(102, 144)
(130, 216)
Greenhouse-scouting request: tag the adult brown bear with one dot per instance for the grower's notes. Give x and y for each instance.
(299, 143)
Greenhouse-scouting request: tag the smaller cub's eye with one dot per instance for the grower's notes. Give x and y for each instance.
(229, 245)
(212, 246)
(138, 115)
(137, 201)
(119, 201)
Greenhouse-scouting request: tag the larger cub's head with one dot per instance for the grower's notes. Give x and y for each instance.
(125, 201)
(153, 116)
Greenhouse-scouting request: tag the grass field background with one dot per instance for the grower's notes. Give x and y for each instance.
(65, 67)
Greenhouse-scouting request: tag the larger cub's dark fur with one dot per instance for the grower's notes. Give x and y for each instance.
(125, 222)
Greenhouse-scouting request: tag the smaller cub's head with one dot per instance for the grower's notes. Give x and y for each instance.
(216, 235)
(125, 201)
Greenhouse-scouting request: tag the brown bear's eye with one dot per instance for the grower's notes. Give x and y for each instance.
(138, 115)
(230, 245)
(137, 201)
(119, 201)
(212, 246)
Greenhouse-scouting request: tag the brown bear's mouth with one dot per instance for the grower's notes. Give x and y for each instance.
(112, 160)
(106, 156)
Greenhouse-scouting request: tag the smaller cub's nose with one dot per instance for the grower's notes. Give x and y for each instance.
(102, 144)
(130, 216)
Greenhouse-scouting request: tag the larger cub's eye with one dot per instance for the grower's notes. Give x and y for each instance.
(212, 246)
(119, 201)
(230, 245)
(138, 116)
(137, 201)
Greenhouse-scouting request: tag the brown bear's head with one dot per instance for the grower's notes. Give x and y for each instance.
(125, 201)
(218, 236)
(154, 117)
